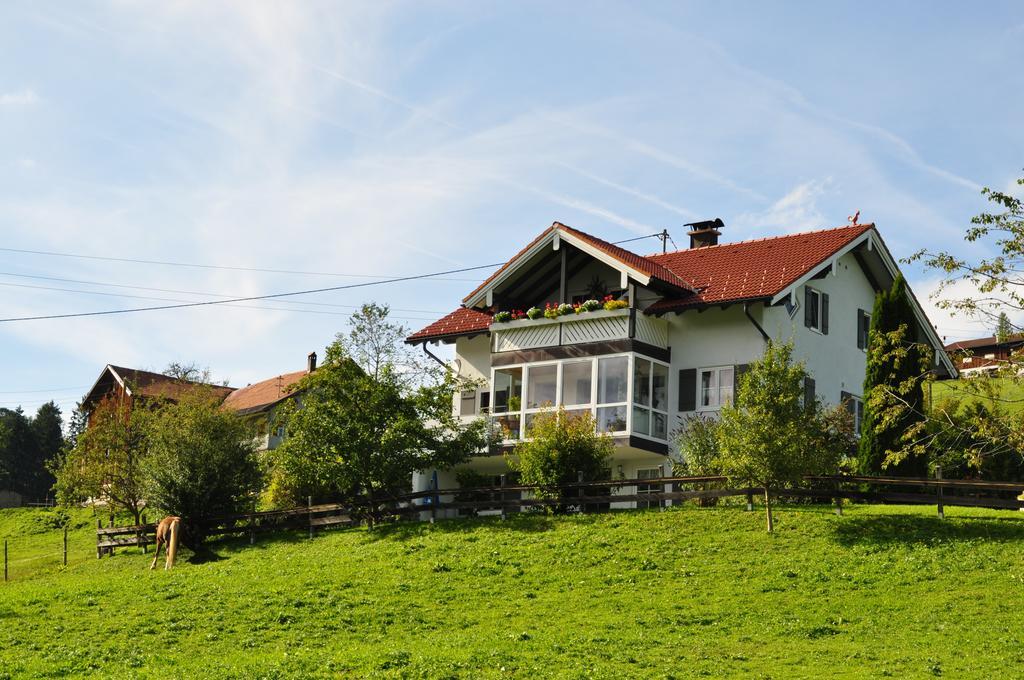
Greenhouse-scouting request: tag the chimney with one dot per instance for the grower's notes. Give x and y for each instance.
(703, 234)
(311, 362)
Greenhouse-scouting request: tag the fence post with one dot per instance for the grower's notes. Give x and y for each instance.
(839, 501)
(65, 545)
(142, 538)
(579, 479)
(5, 560)
(938, 492)
(99, 525)
(309, 505)
(252, 528)
(501, 495)
(110, 551)
(750, 501)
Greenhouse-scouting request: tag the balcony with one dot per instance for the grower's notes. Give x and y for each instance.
(573, 329)
(626, 393)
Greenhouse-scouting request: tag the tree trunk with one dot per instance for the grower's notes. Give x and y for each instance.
(768, 509)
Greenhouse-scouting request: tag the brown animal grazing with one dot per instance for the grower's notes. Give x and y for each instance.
(167, 533)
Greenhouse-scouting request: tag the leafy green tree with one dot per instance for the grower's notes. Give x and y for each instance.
(18, 452)
(369, 417)
(897, 367)
(559, 449)
(47, 426)
(699, 448)
(770, 438)
(104, 466)
(200, 461)
(1004, 329)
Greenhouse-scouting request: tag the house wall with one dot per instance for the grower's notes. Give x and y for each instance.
(833, 360)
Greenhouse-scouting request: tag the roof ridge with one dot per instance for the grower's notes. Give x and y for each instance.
(866, 225)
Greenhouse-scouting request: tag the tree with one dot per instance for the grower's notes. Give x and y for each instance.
(200, 461)
(559, 450)
(699, 449)
(18, 451)
(1004, 329)
(105, 464)
(46, 426)
(369, 417)
(998, 280)
(770, 438)
(897, 367)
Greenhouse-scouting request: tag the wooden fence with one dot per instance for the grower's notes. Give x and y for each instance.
(588, 497)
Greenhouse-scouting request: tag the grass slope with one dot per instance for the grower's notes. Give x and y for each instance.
(882, 591)
(1010, 396)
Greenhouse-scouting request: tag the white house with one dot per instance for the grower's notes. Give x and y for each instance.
(694, 319)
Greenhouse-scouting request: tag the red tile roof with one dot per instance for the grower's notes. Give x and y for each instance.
(157, 385)
(462, 321)
(1011, 342)
(750, 270)
(260, 396)
(730, 272)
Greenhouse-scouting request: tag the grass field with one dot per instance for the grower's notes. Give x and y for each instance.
(690, 592)
(1010, 396)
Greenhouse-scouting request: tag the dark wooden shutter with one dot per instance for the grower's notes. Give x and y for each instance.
(808, 391)
(808, 305)
(824, 313)
(737, 371)
(688, 389)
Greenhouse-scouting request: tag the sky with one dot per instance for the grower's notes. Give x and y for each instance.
(349, 142)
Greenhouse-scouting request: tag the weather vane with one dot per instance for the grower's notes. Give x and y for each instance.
(853, 218)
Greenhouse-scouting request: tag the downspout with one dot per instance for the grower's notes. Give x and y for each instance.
(746, 310)
(435, 357)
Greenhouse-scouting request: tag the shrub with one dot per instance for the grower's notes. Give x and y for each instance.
(700, 453)
(559, 449)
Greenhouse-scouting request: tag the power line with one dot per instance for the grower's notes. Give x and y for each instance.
(167, 263)
(52, 389)
(195, 292)
(251, 298)
(232, 301)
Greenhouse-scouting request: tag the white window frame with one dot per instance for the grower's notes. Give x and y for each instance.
(650, 408)
(818, 294)
(717, 371)
(592, 406)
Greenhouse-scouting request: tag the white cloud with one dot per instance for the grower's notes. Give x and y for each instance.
(951, 325)
(796, 211)
(21, 98)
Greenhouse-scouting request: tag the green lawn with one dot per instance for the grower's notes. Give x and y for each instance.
(882, 591)
(1010, 396)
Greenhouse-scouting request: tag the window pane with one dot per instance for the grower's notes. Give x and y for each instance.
(541, 388)
(659, 425)
(573, 414)
(611, 419)
(813, 299)
(576, 378)
(508, 389)
(641, 420)
(659, 390)
(509, 425)
(709, 388)
(725, 378)
(642, 382)
(467, 403)
(611, 380)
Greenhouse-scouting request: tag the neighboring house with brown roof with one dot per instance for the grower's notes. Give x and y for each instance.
(259, 402)
(694, 319)
(984, 354)
(134, 384)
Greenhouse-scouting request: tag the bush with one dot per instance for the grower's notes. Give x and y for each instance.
(699, 450)
(559, 449)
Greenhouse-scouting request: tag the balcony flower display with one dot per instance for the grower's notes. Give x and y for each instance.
(565, 308)
(612, 304)
(534, 312)
(591, 305)
(502, 317)
(551, 311)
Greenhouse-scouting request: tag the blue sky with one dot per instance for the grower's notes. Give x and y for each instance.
(379, 138)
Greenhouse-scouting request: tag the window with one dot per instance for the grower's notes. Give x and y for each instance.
(600, 387)
(716, 387)
(644, 489)
(467, 403)
(855, 405)
(650, 398)
(816, 310)
(279, 431)
(863, 329)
